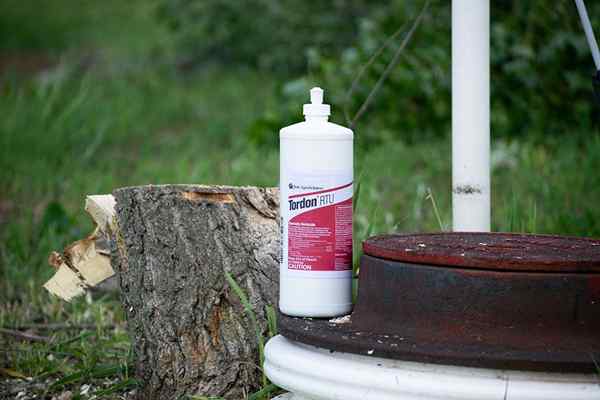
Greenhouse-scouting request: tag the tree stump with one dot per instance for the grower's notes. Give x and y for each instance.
(174, 244)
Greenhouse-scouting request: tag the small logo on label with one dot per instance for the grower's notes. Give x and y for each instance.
(304, 187)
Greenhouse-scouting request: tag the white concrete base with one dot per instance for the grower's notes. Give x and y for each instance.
(311, 373)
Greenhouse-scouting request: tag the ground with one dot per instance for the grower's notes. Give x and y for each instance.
(87, 117)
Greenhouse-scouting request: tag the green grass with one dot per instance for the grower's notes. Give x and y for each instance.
(131, 121)
(248, 309)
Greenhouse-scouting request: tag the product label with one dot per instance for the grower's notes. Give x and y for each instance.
(318, 211)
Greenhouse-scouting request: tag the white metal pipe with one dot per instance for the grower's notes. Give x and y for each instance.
(311, 373)
(589, 32)
(471, 115)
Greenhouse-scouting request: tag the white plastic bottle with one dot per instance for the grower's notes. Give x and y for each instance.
(316, 187)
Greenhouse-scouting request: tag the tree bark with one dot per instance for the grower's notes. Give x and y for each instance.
(190, 333)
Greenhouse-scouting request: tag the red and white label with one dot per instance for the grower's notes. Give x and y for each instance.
(319, 227)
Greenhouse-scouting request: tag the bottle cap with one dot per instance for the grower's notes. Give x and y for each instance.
(316, 108)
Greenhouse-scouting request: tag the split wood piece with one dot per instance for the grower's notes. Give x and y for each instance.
(85, 263)
(175, 243)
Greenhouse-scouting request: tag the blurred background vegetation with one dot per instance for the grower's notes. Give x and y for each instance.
(539, 59)
(96, 95)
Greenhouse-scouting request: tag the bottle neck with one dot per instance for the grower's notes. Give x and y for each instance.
(316, 118)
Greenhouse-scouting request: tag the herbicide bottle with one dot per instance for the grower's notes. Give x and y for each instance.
(316, 175)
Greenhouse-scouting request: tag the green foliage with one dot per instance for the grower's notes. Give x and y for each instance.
(36, 34)
(540, 67)
(55, 217)
(51, 33)
(272, 34)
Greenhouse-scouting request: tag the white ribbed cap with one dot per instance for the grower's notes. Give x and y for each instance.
(316, 108)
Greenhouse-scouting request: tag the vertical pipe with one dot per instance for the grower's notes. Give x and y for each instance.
(471, 115)
(589, 32)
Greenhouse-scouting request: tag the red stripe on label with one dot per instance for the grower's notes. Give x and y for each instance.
(321, 239)
(321, 191)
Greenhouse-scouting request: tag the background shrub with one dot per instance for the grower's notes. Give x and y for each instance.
(539, 58)
(270, 34)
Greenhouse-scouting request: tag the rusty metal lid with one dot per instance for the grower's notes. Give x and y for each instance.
(464, 316)
(492, 300)
(495, 251)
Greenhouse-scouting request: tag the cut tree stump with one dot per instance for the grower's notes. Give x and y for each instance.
(173, 246)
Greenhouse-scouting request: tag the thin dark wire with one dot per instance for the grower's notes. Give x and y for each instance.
(365, 67)
(390, 66)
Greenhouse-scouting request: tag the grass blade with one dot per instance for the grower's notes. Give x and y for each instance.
(435, 208)
(119, 386)
(271, 320)
(81, 336)
(356, 194)
(96, 372)
(250, 312)
(13, 374)
(270, 388)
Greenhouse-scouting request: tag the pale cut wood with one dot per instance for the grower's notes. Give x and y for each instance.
(101, 208)
(86, 263)
(65, 283)
(92, 263)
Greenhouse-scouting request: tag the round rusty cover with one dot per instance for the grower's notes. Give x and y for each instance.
(471, 317)
(495, 251)
(493, 300)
